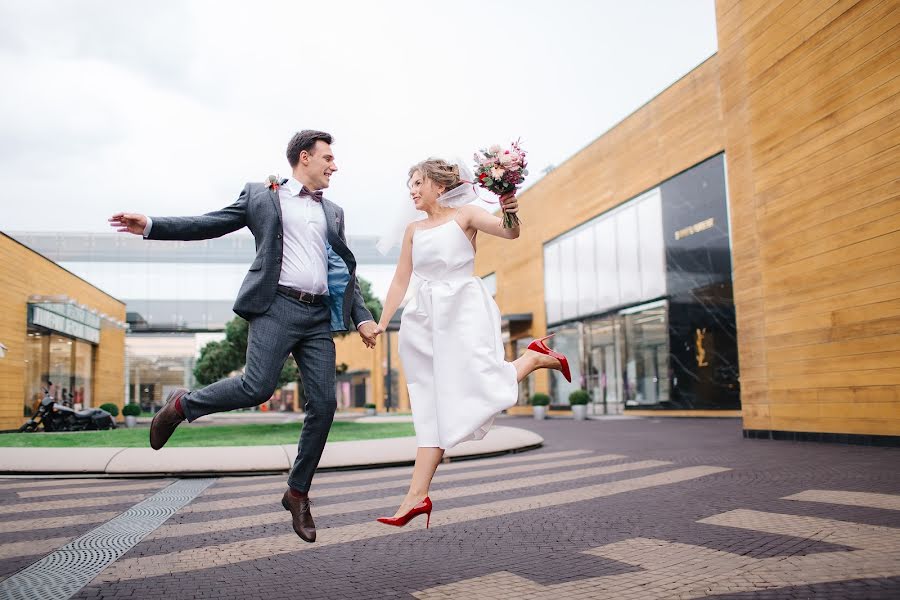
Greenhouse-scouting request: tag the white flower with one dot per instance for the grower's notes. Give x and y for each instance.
(495, 149)
(497, 172)
(505, 159)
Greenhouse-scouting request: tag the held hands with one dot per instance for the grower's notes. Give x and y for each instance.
(368, 332)
(128, 223)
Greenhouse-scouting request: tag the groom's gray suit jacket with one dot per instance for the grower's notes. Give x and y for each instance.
(259, 209)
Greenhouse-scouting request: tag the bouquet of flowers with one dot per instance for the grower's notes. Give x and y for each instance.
(500, 171)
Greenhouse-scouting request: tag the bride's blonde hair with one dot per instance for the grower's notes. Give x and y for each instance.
(439, 171)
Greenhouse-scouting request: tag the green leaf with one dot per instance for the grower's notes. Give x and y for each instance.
(489, 182)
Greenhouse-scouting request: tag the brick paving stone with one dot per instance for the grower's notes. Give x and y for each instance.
(746, 530)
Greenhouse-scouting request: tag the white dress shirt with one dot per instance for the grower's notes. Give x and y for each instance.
(304, 263)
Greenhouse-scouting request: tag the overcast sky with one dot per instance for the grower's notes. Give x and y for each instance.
(169, 107)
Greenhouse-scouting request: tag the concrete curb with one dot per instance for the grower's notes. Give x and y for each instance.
(220, 460)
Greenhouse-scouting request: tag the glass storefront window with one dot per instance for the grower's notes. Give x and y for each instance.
(604, 347)
(37, 349)
(84, 374)
(61, 371)
(159, 363)
(567, 341)
(61, 365)
(646, 373)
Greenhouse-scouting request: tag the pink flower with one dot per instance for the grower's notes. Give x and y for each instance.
(497, 172)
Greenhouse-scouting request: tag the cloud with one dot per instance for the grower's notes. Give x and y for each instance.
(168, 108)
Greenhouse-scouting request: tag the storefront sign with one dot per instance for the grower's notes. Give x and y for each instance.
(695, 228)
(67, 319)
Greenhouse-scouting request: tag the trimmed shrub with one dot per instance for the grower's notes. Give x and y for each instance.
(110, 408)
(131, 410)
(540, 400)
(579, 397)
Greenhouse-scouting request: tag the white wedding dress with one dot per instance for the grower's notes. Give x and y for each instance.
(450, 343)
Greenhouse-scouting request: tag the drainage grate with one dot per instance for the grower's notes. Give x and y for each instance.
(62, 573)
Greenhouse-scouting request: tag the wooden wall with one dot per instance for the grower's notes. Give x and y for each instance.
(810, 105)
(23, 272)
(674, 131)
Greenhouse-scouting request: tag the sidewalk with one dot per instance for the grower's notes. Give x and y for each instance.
(244, 459)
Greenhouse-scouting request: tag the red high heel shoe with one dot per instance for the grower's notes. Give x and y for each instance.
(423, 507)
(540, 347)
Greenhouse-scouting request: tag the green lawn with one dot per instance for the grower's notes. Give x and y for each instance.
(205, 435)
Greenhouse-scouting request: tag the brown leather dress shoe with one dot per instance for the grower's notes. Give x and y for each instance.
(166, 420)
(302, 516)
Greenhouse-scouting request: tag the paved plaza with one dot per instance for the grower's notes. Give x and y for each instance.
(642, 508)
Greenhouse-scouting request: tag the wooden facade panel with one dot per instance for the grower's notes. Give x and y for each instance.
(829, 112)
(861, 225)
(872, 361)
(841, 131)
(25, 273)
(833, 299)
(862, 192)
(812, 144)
(815, 28)
(829, 268)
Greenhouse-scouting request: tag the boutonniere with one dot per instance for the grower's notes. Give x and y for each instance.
(274, 182)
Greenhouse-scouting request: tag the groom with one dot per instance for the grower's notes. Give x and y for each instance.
(300, 288)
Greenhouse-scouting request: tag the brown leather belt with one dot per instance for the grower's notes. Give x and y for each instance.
(300, 295)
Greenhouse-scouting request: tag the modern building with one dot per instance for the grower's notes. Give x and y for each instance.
(59, 334)
(179, 295)
(734, 244)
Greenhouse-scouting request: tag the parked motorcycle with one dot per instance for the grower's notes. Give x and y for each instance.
(53, 416)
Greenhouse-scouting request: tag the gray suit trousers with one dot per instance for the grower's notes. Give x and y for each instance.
(288, 327)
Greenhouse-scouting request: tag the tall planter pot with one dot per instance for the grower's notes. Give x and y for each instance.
(540, 412)
(579, 411)
(130, 422)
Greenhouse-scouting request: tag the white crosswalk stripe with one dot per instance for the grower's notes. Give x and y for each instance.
(236, 552)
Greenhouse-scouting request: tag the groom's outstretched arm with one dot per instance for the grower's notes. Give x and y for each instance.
(211, 225)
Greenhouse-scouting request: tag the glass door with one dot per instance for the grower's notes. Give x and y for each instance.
(646, 356)
(604, 365)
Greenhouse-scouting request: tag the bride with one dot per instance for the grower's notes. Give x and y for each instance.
(450, 343)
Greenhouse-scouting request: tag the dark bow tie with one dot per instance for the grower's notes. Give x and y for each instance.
(317, 195)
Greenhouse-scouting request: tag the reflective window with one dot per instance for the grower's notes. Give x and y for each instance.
(646, 376)
(586, 274)
(552, 278)
(606, 265)
(614, 260)
(627, 254)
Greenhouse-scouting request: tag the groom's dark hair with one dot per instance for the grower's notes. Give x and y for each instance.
(305, 140)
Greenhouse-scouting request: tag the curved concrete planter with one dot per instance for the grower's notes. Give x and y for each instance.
(540, 412)
(579, 411)
(246, 459)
